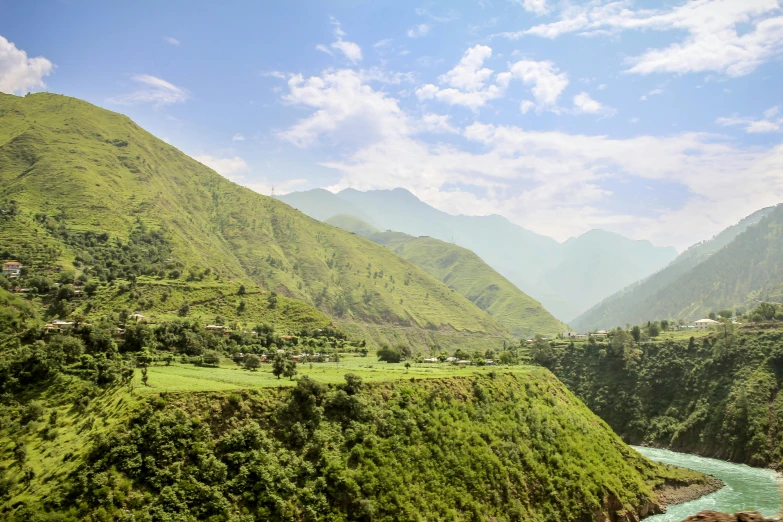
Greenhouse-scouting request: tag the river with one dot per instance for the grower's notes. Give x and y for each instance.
(746, 488)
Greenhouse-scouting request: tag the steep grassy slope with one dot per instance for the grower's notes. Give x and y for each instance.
(733, 269)
(466, 273)
(717, 396)
(498, 447)
(566, 278)
(74, 168)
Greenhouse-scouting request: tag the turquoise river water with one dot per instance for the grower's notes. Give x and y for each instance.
(746, 488)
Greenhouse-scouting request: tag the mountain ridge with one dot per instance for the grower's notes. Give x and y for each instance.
(538, 265)
(78, 168)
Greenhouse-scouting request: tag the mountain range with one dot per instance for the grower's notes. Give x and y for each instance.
(737, 269)
(566, 278)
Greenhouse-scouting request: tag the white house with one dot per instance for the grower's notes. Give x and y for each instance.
(12, 269)
(431, 360)
(569, 335)
(703, 324)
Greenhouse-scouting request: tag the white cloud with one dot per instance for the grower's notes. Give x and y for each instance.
(752, 126)
(227, 167)
(238, 137)
(153, 90)
(713, 40)
(469, 74)
(584, 103)
(552, 182)
(538, 7)
(525, 106)
(345, 107)
(350, 50)
(382, 43)
(324, 49)
(418, 31)
(546, 80)
(436, 123)
(18, 73)
(467, 82)
(171, 40)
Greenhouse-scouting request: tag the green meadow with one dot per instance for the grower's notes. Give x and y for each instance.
(230, 376)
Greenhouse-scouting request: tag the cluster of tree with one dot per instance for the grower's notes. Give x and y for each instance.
(353, 452)
(713, 395)
(146, 252)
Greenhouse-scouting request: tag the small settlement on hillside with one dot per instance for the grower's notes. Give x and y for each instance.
(12, 269)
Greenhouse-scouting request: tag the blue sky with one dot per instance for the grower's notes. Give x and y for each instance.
(658, 120)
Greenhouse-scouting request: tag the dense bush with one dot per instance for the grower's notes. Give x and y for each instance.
(716, 395)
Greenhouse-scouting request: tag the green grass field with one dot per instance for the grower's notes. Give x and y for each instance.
(229, 376)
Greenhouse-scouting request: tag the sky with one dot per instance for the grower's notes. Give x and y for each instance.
(657, 120)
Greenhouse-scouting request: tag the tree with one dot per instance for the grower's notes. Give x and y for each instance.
(766, 311)
(212, 358)
(653, 329)
(712, 316)
(289, 369)
(279, 364)
(242, 290)
(726, 314)
(252, 362)
(664, 325)
(272, 300)
(144, 376)
(389, 354)
(407, 367)
(636, 333)
(541, 352)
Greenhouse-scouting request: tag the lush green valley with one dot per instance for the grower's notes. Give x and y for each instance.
(734, 270)
(715, 395)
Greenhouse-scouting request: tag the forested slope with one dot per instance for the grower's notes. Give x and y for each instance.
(717, 396)
(736, 267)
(73, 172)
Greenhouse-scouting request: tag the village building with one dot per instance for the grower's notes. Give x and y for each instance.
(703, 324)
(12, 269)
(58, 326)
(431, 360)
(568, 334)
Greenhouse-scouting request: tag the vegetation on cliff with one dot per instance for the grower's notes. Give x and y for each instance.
(717, 395)
(499, 446)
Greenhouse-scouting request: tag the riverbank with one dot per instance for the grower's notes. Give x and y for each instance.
(672, 493)
(747, 488)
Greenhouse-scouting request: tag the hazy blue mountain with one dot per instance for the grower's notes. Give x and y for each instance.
(321, 204)
(690, 286)
(567, 278)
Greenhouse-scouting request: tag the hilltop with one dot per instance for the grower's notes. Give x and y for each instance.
(465, 272)
(566, 278)
(734, 270)
(85, 186)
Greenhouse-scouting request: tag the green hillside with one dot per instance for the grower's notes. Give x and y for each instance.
(85, 182)
(492, 447)
(717, 396)
(735, 269)
(466, 273)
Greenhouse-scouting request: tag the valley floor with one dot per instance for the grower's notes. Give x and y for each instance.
(228, 376)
